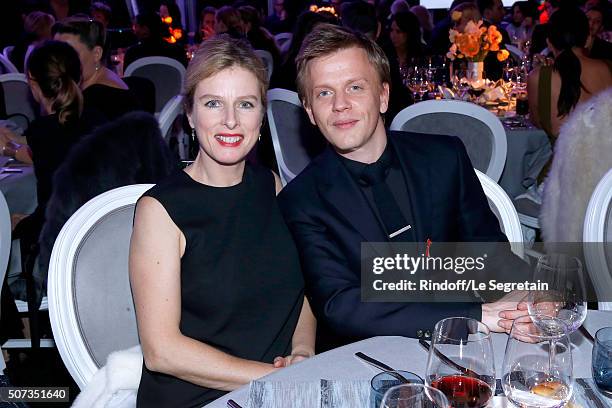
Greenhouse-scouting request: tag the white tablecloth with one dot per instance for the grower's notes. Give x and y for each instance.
(404, 354)
(19, 189)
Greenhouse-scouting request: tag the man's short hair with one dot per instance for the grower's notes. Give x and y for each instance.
(360, 16)
(328, 39)
(484, 5)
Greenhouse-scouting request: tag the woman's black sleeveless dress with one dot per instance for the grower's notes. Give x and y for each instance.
(241, 285)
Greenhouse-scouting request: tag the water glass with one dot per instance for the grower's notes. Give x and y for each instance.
(602, 360)
(386, 380)
(414, 396)
(537, 369)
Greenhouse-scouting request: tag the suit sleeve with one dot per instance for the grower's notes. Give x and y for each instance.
(333, 287)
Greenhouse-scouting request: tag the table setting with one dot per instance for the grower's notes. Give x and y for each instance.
(18, 184)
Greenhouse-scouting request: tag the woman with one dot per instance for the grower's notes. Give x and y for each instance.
(54, 72)
(555, 90)
(214, 272)
(228, 20)
(405, 36)
(37, 29)
(520, 28)
(102, 88)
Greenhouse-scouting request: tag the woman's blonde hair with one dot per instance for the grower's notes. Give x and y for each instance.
(219, 53)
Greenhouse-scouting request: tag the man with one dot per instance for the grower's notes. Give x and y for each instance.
(332, 206)
(148, 29)
(493, 13)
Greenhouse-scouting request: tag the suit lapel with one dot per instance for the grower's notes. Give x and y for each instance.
(417, 174)
(338, 189)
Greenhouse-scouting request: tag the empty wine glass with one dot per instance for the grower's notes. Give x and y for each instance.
(466, 343)
(566, 296)
(537, 368)
(414, 396)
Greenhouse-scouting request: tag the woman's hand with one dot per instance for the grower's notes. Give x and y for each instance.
(295, 357)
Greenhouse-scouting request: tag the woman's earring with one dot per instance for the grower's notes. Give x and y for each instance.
(97, 66)
(193, 135)
(259, 138)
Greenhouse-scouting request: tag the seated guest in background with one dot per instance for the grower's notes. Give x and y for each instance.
(360, 16)
(54, 72)
(128, 150)
(207, 24)
(103, 90)
(228, 21)
(279, 21)
(522, 21)
(306, 22)
(213, 235)
(406, 41)
(101, 12)
(147, 28)
(598, 47)
(493, 13)
(36, 29)
(258, 36)
(555, 90)
(425, 20)
(343, 82)
(440, 43)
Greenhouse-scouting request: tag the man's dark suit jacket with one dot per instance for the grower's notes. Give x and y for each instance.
(330, 218)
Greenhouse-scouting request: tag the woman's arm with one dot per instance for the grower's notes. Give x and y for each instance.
(155, 250)
(15, 146)
(532, 95)
(303, 341)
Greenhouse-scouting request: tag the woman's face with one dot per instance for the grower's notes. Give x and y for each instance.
(90, 59)
(595, 22)
(398, 37)
(517, 15)
(163, 11)
(227, 115)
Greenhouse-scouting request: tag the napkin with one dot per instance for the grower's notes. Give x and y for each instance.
(323, 394)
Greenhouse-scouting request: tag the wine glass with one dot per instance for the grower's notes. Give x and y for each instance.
(537, 368)
(467, 344)
(566, 298)
(414, 396)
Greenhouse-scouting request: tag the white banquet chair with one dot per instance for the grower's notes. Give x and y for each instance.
(296, 141)
(597, 240)
(166, 118)
(504, 210)
(268, 61)
(167, 75)
(282, 38)
(20, 105)
(6, 66)
(90, 302)
(480, 131)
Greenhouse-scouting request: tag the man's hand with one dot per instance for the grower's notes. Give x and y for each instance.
(500, 315)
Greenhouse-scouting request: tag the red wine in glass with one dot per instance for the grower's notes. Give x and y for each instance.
(522, 105)
(464, 392)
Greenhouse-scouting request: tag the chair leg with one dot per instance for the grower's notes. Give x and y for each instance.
(28, 258)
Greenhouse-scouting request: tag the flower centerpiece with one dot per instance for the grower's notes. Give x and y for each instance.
(473, 44)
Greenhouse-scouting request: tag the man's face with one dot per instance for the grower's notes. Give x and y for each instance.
(497, 12)
(595, 22)
(346, 99)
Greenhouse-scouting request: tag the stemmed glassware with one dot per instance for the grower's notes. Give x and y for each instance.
(414, 396)
(537, 368)
(566, 299)
(468, 379)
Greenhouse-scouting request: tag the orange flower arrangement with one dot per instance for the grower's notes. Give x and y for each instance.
(475, 42)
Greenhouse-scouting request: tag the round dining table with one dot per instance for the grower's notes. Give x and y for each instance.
(404, 353)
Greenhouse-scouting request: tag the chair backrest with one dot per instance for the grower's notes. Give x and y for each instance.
(19, 103)
(6, 66)
(27, 55)
(167, 75)
(480, 131)
(169, 113)
(7, 51)
(504, 210)
(296, 141)
(282, 38)
(5, 240)
(90, 301)
(597, 238)
(266, 57)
